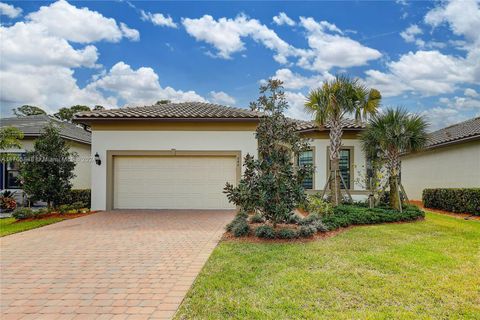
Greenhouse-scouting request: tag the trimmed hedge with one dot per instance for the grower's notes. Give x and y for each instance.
(79, 195)
(461, 200)
(347, 215)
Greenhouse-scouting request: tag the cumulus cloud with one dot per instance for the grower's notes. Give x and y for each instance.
(282, 19)
(296, 81)
(296, 102)
(81, 25)
(329, 48)
(140, 86)
(469, 92)
(439, 117)
(221, 97)
(226, 35)
(47, 79)
(9, 10)
(158, 19)
(410, 35)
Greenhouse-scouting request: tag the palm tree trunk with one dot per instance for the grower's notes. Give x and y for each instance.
(335, 146)
(395, 201)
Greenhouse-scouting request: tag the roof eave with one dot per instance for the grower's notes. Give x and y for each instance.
(88, 121)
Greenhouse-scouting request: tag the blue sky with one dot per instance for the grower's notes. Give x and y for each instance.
(423, 55)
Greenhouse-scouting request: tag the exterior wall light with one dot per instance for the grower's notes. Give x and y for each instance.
(97, 159)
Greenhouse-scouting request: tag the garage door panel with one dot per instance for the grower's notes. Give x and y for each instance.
(172, 182)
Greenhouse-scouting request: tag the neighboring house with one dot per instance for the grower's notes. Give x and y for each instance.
(32, 126)
(451, 160)
(180, 155)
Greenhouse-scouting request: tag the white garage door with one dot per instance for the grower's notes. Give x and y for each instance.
(161, 182)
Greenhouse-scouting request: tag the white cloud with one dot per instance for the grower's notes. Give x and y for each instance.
(158, 19)
(81, 25)
(426, 72)
(221, 97)
(9, 10)
(329, 48)
(282, 19)
(439, 117)
(462, 103)
(410, 35)
(296, 102)
(38, 63)
(296, 81)
(463, 17)
(139, 86)
(226, 35)
(129, 33)
(469, 92)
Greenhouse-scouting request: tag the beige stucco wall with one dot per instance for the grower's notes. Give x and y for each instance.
(455, 166)
(188, 140)
(83, 164)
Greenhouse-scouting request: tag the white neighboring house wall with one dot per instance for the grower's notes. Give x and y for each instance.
(454, 166)
(82, 167)
(120, 140)
(321, 164)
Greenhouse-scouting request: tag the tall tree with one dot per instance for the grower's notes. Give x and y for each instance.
(48, 169)
(330, 105)
(10, 139)
(389, 135)
(27, 110)
(98, 108)
(68, 113)
(271, 184)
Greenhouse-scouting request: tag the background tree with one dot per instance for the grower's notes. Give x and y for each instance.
(10, 139)
(163, 102)
(390, 134)
(48, 169)
(67, 113)
(98, 108)
(272, 184)
(27, 110)
(330, 104)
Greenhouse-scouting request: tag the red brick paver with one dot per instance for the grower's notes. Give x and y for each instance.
(110, 265)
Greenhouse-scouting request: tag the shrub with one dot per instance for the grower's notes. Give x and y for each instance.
(315, 204)
(287, 234)
(240, 217)
(8, 203)
(293, 218)
(466, 200)
(346, 215)
(241, 228)
(78, 195)
(320, 226)
(42, 211)
(307, 231)
(78, 205)
(64, 208)
(23, 213)
(265, 232)
(311, 218)
(257, 218)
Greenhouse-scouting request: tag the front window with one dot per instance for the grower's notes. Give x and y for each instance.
(345, 167)
(12, 175)
(306, 158)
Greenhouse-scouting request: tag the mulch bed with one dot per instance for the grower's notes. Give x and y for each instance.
(65, 216)
(229, 237)
(466, 216)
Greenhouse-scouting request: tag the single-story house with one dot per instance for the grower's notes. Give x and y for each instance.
(451, 159)
(180, 155)
(77, 137)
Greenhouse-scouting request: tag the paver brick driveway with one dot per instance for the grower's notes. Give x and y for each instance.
(110, 265)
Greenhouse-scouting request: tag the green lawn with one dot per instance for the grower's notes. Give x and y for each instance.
(421, 270)
(9, 226)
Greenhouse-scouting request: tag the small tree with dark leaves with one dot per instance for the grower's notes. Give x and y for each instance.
(272, 184)
(48, 170)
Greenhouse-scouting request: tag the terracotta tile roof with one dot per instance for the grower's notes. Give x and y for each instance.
(458, 132)
(311, 125)
(32, 126)
(184, 110)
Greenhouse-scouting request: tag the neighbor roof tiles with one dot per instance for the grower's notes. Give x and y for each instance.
(457, 132)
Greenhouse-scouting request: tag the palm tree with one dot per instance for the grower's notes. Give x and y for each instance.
(331, 104)
(389, 135)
